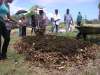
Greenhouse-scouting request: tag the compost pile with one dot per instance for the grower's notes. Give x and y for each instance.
(58, 52)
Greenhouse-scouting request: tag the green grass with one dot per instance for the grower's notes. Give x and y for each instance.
(13, 65)
(67, 34)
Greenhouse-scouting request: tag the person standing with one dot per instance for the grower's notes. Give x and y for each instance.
(79, 22)
(33, 23)
(79, 19)
(23, 24)
(42, 21)
(68, 20)
(4, 15)
(34, 20)
(20, 27)
(56, 19)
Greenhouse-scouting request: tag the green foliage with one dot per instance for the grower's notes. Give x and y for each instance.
(32, 10)
(34, 7)
(29, 14)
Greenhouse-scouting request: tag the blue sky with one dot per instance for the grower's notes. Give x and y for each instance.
(88, 8)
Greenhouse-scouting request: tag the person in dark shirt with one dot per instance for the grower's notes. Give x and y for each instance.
(79, 23)
(79, 19)
(4, 15)
(33, 22)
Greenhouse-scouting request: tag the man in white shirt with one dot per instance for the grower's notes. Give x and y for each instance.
(56, 20)
(68, 20)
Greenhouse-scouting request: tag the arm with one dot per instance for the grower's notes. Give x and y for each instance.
(9, 18)
(57, 20)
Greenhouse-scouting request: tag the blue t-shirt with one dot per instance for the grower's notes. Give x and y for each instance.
(79, 18)
(4, 9)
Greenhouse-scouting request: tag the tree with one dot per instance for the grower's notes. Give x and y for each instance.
(32, 10)
(34, 7)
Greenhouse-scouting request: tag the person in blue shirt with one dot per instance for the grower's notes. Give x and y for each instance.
(79, 22)
(4, 16)
(79, 19)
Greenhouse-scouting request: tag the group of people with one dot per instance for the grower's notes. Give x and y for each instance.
(55, 20)
(68, 20)
(38, 21)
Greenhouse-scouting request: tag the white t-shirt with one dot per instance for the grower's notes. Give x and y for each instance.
(56, 17)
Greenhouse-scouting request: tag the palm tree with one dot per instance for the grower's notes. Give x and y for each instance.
(99, 10)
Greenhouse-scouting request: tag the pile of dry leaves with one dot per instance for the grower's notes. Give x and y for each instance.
(56, 51)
